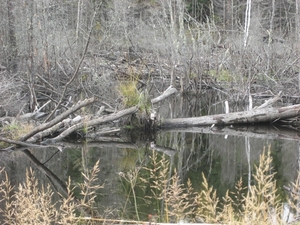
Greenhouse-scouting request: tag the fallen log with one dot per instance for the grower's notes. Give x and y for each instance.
(169, 91)
(63, 124)
(90, 123)
(261, 115)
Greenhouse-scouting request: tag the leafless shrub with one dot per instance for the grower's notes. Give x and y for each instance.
(11, 96)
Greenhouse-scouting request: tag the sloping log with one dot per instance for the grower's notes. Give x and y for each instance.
(269, 102)
(245, 117)
(18, 143)
(169, 91)
(59, 185)
(168, 151)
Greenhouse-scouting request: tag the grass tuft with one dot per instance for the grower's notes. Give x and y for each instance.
(131, 96)
(129, 93)
(16, 129)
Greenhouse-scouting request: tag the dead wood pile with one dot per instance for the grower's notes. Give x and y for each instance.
(64, 125)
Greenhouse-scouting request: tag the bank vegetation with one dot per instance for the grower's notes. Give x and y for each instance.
(258, 203)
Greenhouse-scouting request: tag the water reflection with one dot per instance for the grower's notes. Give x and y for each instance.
(224, 159)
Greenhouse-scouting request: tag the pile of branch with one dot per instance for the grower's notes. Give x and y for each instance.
(63, 125)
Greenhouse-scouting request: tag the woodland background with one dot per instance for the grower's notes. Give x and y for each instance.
(251, 44)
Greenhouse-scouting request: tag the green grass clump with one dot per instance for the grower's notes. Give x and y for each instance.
(16, 129)
(222, 75)
(129, 93)
(131, 96)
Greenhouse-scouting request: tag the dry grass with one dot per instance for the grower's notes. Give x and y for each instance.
(256, 204)
(17, 129)
(31, 203)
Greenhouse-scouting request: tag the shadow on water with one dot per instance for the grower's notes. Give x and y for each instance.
(222, 155)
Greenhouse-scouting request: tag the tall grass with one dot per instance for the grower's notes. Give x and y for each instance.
(32, 203)
(171, 199)
(131, 95)
(174, 201)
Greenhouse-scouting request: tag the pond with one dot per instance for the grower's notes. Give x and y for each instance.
(127, 165)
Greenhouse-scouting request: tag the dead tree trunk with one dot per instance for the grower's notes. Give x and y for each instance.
(246, 117)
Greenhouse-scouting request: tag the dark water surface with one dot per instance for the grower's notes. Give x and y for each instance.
(223, 158)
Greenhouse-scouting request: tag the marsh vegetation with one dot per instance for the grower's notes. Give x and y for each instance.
(164, 193)
(78, 76)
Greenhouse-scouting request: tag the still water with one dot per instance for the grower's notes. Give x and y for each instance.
(222, 157)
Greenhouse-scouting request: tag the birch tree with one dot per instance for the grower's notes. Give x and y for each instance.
(247, 22)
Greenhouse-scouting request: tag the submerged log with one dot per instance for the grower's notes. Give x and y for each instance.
(261, 115)
(59, 185)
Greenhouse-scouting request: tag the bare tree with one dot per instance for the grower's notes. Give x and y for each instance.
(12, 46)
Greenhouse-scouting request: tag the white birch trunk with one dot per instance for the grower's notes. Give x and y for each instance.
(247, 22)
